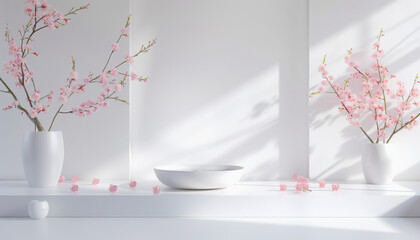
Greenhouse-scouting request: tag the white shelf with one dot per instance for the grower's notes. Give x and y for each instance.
(210, 229)
(246, 199)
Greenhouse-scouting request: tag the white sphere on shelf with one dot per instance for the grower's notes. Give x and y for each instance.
(38, 209)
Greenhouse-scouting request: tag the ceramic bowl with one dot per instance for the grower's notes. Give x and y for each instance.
(199, 177)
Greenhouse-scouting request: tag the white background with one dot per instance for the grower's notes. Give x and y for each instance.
(228, 84)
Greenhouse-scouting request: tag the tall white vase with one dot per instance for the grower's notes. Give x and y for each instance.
(378, 163)
(43, 156)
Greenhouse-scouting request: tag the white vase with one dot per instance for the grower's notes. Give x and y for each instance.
(378, 163)
(43, 156)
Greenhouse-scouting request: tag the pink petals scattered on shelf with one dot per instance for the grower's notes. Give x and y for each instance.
(283, 187)
(95, 181)
(302, 184)
(113, 188)
(322, 183)
(133, 184)
(75, 179)
(156, 190)
(74, 188)
(299, 187)
(61, 179)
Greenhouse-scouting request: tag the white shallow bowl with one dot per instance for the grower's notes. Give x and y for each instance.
(199, 177)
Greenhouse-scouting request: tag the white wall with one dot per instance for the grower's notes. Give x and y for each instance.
(335, 26)
(96, 146)
(228, 86)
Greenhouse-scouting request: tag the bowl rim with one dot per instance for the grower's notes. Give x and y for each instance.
(190, 168)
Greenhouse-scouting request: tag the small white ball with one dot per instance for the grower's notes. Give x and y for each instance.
(38, 209)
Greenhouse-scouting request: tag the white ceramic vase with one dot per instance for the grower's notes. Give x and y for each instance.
(378, 163)
(43, 156)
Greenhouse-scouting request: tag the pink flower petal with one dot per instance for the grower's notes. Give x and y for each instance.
(322, 183)
(95, 181)
(61, 179)
(75, 179)
(283, 187)
(133, 184)
(335, 187)
(74, 188)
(113, 188)
(156, 190)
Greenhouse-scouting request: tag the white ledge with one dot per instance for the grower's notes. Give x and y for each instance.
(246, 199)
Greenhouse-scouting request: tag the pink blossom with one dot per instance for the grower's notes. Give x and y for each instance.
(335, 187)
(61, 179)
(295, 176)
(301, 179)
(129, 59)
(44, 5)
(305, 186)
(133, 76)
(103, 79)
(74, 188)
(74, 76)
(29, 12)
(95, 181)
(33, 112)
(156, 190)
(132, 184)
(31, 2)
(283, 187)
(113, 188)
(115, 47)
(322, 183)
(299, 187)
(113, 72)
(320, 89)
(36, 95)
(86, 80)
(63, 99)
(117, 87)
(75, 179)
(375, 55)
(321, 68)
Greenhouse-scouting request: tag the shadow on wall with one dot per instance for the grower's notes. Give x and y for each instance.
(214, 96)
(347, 144)
(332, 17)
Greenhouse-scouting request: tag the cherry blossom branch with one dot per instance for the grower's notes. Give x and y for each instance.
(127, 23)
(374, 110)
(35, 120)
(399, 116)
(71, 12)
(143, 49)
(364, 132)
